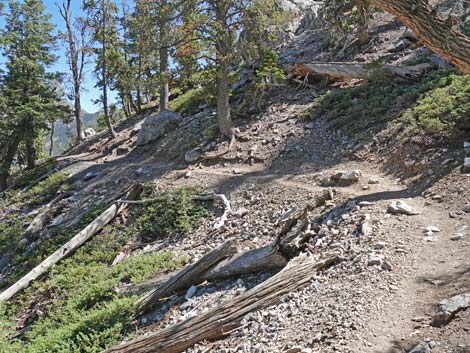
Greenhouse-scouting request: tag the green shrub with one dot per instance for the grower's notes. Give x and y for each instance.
(28, 176)
(190, 100)
(46, 189)
(174, 212)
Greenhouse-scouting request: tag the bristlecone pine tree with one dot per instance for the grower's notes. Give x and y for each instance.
(29, 95)
(440, 35)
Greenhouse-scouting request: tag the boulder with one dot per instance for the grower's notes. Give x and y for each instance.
(158, 125)
(448, 308)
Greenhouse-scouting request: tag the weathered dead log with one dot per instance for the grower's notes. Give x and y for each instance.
(448, 308)
(65, 250)
(47, 213)
(347, 70)
(265, 259)
(185, 278)
(223, 319)
(289, 238)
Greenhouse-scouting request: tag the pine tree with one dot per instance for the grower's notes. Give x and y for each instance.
(102, 17)
(29, 98)
(77, 47)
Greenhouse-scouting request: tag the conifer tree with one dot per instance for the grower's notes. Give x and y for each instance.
(102, 17)
(29, 96)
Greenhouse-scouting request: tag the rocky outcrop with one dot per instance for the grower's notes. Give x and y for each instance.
(158, 125)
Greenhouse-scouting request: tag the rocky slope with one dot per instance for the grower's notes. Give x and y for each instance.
(395, 267)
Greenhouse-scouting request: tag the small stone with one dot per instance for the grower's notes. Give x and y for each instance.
(431, 229)
(90, 175)
(374, 259)
(192, 156)
(188, 174)
(386, 265)
(366, 229)
(466, 208)
(144, 170)
(379, 245)
(373, 181)
(236, 171)
(424, 347)
(456, 237)
(401, 207)
(365, 187)
(365, 203)
(190, 293)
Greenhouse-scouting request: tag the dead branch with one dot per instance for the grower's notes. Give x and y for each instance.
(186, 277)
(65, 250)
(348, 70)
(223, 319)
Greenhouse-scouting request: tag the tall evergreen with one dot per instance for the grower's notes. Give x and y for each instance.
(103, 19)
(29, 96)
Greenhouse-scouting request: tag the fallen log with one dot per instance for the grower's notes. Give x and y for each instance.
(348, 70)
(185, 278)
(289, 239)
(223, 319)
(46, 215)
(80, 238)
(265, 259)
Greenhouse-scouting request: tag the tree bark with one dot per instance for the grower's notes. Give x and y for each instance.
(223, 319)
(439, 35)
(68, 248)
(51, 140)
(222, 43)
(185, 278)
(345, 70)
(5, 165)
(104, 73)
(30, 154)
(163, 53)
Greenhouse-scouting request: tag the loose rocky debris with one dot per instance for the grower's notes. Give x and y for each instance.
(448, 308)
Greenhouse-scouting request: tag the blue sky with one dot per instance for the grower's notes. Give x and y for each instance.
(90, 92)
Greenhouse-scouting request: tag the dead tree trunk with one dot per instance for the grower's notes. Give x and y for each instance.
(349, 71)
(221, 320)
(69, 247)
(441, 36)
(290, 238)
(186, 277)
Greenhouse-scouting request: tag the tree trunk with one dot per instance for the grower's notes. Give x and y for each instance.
(347, 70)
(51, 140)
(104, 73)
(222, 81)
(363, 27)
(439, 35)
(30, 154)
(226, 317)
(163, 52)
(7, 161)
(77, 110)
(187, 277)
(68, 248)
